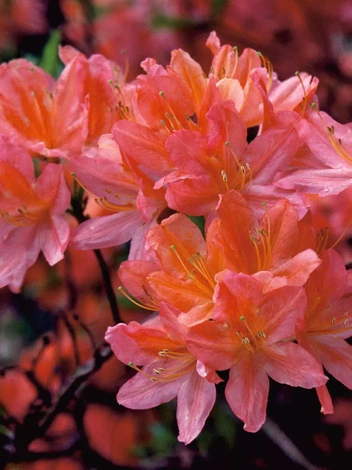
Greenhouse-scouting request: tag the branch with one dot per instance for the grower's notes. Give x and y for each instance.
(23, 439)
(272, 430)
(108, 287)
(78, 205)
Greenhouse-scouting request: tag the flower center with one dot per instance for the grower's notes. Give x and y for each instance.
(250, 338)
(176, 364)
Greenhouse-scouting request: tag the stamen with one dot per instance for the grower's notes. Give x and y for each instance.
(264, 258)
(145, 305)
(322, 239)
(24, 217)
(243, 319)
(198, 262)
(191, 274)
(323, 325)
(103, 201)
(304, 99)
(255, 243)
(105, 204)
(224, 178)
(336, 145)
(171, 115)
(270, 69)
(244, 171)
(168, 374)
(342, 235)
(236, 62)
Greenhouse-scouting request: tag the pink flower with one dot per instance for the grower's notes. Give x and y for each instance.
(252, 336)
(169, 370)
(209, 165)
(47, 117)
(32, 213)
(327, 168)
(326, 323)
(128, 197)
(278, 250)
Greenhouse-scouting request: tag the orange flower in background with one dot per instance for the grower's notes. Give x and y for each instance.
(19, 17)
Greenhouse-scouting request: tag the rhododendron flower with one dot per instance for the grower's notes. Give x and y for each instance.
(207, 166)
(327, 322)
(32, 213)
(105, 93)
(332, 216)
(252, 336)
(169, 370)
(181, 271)
(330, 170)
(47, 117)
(248, 78)
(131, 203)
(277, 250)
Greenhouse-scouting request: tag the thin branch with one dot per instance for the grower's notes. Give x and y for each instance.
(272, 430)
(30, 456)
(108, 287)
(73, 335)
(78, 204)
(101, 355)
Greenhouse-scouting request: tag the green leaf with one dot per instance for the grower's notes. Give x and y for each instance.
(199, 221)
(172, 22)
(218, 6)
(50, 61)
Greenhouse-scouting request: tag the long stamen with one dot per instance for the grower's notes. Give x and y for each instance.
(270, 69)
(152, 306)
(322, 239)
(304, 99)
(105, 204)
(103, 201)
(244, 321)
(336, 145)
(168, 374)
(254, 340)
(236, 62)
(224, 178)
(335, 325)
(244, 171)
(24, 216)
(191, 274)
(259, 260)
(198, 262)
(171, 115)
(342, 235)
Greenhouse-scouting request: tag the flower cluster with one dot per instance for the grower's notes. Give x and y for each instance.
(208, 177)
